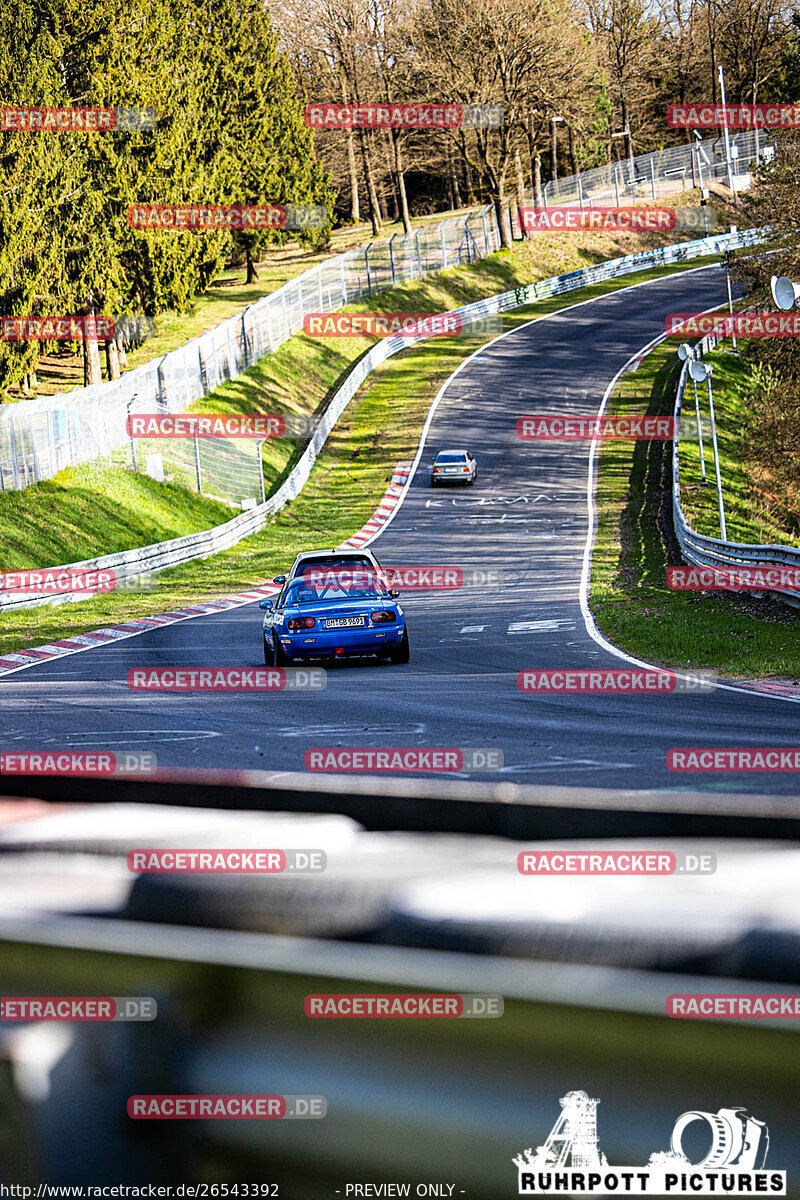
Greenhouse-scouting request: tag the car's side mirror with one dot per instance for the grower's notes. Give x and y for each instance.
(434, 458)
(279, 579)
(394, 593)
(266, 605)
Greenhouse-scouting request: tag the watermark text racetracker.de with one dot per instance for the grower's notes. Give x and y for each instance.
(430, 577)
(420, 116)
(350, 1005)
(427, 759)
(78, 1008)
(630, 219)
(236, 1107)
(59, 581)
(615, 862)
(766, 577)
(716, 759)
(738, 324)
(226, 862)
(76, 120)
(571, 428)
(616, 681)
(213, 218)
(72, 762)
(229, 679)
(401, 324)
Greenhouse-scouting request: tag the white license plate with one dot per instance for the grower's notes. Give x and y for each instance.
(343, 622)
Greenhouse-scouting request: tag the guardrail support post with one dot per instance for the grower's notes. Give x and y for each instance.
(721, 502)
(703, 480)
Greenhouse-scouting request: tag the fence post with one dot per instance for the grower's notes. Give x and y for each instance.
(653, 174)
(486, 231)
(259, 446)
(34, 455)
(419, 256)
(132, 439)
(468, 235)
(391, 258)
(14, 461)
(369, 276)
(300, 301)
(197, 465)
(341, 276)
(319, 281)
(245, 341)
(444, 247)
(268, 309)
(616, 183)
(580, 193)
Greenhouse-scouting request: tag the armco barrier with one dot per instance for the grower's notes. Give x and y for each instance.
(160, 555)
(703, 551)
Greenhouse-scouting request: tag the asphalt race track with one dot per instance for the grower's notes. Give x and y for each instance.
(527, 516)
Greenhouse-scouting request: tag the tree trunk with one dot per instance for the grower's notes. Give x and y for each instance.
(455, 195)
(537, 180)
(469, 183)
(503, 223)
(526, 234)
(355, 207)
(112, 360)
(553, 151)
(400, 179)
(122, 355)
(573, 158)
(252, 273)
(92, 371)
(372, 198)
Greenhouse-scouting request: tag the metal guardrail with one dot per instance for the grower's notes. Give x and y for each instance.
(701, 550)
(161, 555)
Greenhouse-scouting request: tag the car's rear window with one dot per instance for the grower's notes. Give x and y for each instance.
(451, 458)
(303, 591)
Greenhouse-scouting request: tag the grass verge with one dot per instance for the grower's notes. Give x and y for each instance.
(739, 636)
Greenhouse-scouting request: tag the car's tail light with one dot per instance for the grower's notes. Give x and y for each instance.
(301, 623)
(382, 615)
(465, 468)
(436, 470)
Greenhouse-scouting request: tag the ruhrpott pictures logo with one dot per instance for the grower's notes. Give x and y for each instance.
(571, 1163)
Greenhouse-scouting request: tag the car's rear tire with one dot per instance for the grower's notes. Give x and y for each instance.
(267, 652)
(279, 659)
(403, 652)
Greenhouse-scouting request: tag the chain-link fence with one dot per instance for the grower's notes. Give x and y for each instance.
(675, 169)
(40, 437)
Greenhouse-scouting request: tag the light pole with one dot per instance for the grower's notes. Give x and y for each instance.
(700, 371)
(728, 282)
(727, 135)
(704, 193)
(686, 351)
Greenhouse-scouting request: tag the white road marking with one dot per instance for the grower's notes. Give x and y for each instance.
(473, 629)
(540, 626)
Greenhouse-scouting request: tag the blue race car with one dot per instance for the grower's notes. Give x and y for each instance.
(336, 617)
